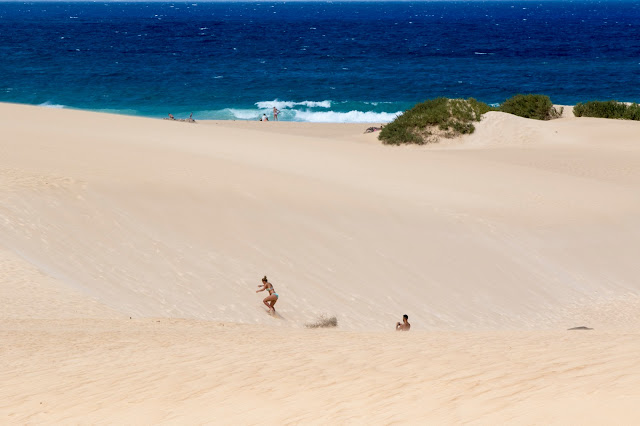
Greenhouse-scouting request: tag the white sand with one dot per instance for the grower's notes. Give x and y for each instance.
(493, 244)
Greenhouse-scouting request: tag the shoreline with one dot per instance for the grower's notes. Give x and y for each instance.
(184, 117)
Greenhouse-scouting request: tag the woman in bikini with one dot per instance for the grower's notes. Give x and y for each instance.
(272, 297)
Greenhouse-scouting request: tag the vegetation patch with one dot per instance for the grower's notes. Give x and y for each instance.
(428, 121)
(323, 321)
(538, 107)
(608, 109)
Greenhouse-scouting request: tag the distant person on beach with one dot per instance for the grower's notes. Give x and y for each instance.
(276, 111)
(272, 298)
(171, 117)
(264, 117)
(404, 325)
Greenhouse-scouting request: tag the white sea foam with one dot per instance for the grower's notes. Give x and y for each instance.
(345, 117)
(299, 115)
(48, 104)
(239, 114)
(291, 104)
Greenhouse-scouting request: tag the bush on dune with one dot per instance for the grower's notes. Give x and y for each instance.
(608, 109)
(538, 107)
(429, 120)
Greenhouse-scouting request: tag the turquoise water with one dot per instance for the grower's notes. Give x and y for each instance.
(335, 62)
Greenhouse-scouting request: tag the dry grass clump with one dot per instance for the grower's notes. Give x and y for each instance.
(323, 321)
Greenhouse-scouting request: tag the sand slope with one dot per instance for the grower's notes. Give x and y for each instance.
(177, 372)
(494, 245)
(157, 218)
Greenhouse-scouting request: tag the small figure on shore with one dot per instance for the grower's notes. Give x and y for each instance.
(404, 325)
(171, 117)
(264, 117)
(191, 116)
(272, 298)
(276, 111)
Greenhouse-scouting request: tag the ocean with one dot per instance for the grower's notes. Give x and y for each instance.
(315, 61)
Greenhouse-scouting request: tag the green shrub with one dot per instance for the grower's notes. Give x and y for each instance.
(429, 120)
(608, 109)
(538, 107)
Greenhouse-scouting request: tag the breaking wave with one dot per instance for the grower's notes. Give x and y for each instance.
(354, 116)
(292, 104)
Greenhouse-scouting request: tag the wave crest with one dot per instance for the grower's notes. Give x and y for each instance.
(50, 104)
(354, 116)
(292, 104)
(346, 117)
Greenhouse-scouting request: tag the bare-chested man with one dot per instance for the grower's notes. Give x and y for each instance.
(404, 325)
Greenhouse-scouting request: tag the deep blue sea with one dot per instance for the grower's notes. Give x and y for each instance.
(315, 61)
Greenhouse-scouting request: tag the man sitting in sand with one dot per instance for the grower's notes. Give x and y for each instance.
(264, 117)
(404, 325)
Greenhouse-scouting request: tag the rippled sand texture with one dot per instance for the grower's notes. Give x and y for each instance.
(131, 249)
(177, 371)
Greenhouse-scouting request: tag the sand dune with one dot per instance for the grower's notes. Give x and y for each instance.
(177, 372)
(156, 218)
(503, 239)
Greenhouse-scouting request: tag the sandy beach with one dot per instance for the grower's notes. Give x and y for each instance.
(131, 249)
